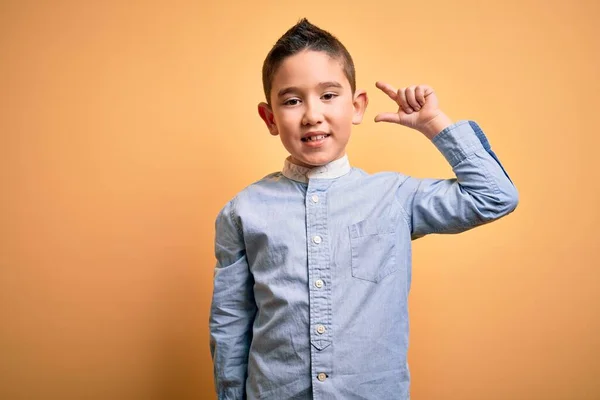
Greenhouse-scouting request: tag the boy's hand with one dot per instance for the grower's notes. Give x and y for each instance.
(417, 108)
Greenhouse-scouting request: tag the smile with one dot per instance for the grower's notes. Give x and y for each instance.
(315, 138)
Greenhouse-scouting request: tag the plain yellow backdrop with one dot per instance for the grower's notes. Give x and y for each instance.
(125, 128)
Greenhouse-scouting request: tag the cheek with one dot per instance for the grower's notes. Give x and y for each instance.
(342, 116)
(287, 116)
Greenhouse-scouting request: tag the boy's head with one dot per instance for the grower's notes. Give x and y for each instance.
(312, 101)
(301, 37)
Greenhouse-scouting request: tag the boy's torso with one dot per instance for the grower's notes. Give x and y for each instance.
(331, 262)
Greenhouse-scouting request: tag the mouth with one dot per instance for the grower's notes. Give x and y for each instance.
(315, 138)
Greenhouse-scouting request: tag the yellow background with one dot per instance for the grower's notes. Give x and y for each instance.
(125, 128)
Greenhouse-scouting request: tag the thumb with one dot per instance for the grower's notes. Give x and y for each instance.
(388, 117)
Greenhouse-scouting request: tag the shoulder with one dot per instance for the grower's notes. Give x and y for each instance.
(253, 191)
(268, 185)
(382, 177)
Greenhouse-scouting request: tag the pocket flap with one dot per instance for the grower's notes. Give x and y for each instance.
(371, 226)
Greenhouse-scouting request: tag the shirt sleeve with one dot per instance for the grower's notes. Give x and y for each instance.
(480, 193)
(233, 308)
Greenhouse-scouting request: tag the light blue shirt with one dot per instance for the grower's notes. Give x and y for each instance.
(314, 270)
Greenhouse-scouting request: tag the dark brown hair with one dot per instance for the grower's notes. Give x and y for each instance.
(305, 36)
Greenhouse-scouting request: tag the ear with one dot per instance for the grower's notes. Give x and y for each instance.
(266, 113)
(360, 103)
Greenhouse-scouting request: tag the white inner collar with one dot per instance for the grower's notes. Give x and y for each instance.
(332, 170)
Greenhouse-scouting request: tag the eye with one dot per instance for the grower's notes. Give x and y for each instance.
(329, 96)
(291, 102)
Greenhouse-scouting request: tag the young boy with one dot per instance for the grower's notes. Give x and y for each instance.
(314, 262)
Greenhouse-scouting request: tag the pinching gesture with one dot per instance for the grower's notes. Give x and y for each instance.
(418, 108)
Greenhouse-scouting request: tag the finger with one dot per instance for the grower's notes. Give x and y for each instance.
(427, 90)
(387, 89)
(420, 95)
(402, 101)
(410, 98)
(388, 117)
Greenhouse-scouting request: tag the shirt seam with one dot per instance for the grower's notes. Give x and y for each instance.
(403, 211)
(232, 216)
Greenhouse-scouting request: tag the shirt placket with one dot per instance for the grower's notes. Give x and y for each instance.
(319, 277)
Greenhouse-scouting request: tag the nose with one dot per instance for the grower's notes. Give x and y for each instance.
(313, 114)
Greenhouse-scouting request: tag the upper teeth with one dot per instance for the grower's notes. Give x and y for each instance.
(316, 137)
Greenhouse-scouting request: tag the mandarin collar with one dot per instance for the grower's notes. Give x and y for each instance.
(331, 170)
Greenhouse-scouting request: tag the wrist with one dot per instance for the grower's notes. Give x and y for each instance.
(436, 125)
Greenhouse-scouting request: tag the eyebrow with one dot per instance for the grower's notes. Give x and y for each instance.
(321, 85)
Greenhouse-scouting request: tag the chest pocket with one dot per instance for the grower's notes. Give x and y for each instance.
(373, 246)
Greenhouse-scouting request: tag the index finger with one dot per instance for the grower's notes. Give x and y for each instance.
(388, 89)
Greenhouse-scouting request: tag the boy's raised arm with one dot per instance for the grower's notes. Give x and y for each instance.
(481, 191)
(232, 310)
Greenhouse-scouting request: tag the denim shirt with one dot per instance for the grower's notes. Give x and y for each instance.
(313, 271)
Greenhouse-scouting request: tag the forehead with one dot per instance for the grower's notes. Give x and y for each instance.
(309, 68)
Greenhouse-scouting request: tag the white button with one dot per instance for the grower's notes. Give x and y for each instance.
(319, 283)
(322, 376)
(320, 329)
(317, 239)
(315, 198)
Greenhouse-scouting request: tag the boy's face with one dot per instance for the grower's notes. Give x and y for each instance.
(312, 108)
